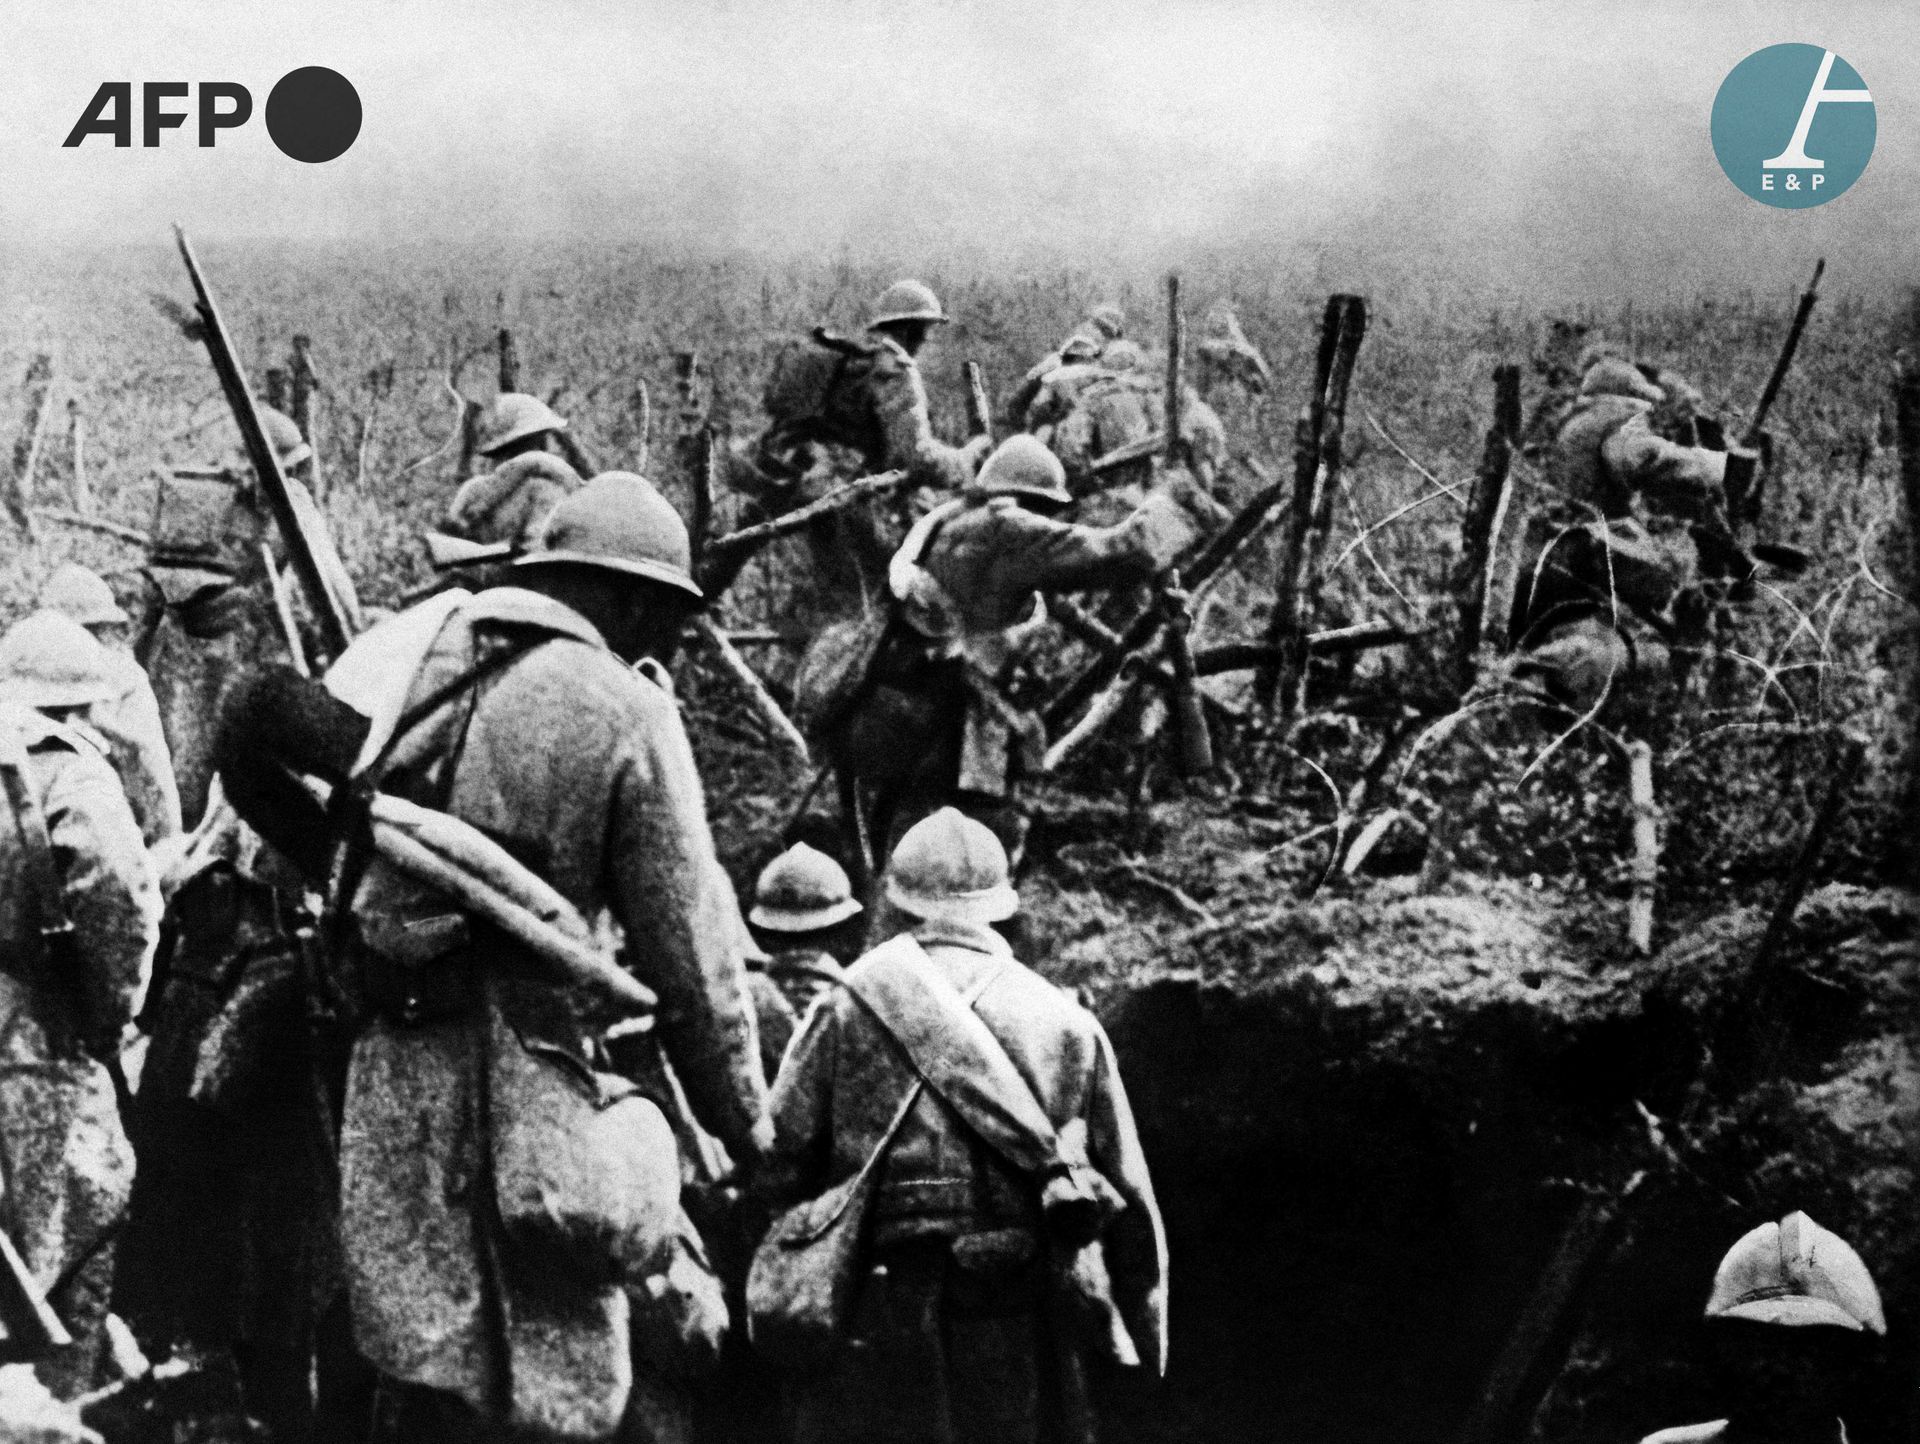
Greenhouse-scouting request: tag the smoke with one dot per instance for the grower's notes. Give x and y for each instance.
(1560, 149)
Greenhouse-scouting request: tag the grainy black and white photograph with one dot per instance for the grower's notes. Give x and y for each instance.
(873, 722)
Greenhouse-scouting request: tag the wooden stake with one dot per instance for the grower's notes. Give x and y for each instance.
(755, 691)
(1645, 871)
(305, 402)
(1176, 342)
(27, 446)
(277, 390)
(77, 432)
(509, 362)
(1480, 528)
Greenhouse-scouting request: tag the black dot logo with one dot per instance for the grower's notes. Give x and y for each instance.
(313, 113)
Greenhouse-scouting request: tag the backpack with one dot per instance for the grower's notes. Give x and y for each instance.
(803, 373)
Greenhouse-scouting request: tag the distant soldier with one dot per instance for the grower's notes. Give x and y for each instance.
(838, 409)
(1013, 1233)
(935, 714)
(496, 515)
(1787, 1322)
(1090, 416)
(540, 714)
(79, 915)
(1616, 576)
(802, 904)
(1226, 357)
(1104, 325)
(131, 721)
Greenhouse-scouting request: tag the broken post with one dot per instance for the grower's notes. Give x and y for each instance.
(27, 446)
(277, 389)
(1317, 455)
(1480, 527)
(509, 362)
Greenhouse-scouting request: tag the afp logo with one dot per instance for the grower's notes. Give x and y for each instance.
(1793, 126)
(313, 113)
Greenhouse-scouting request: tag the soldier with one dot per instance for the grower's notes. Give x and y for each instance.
(1089, 415)
(1104, 325)
(931, 719)
(978, 1232)
(496, 516)
(79, 915)
(1788, 1320)
(839, 409)
(517, 425)
(1226, 356)
(802, 904)
(1616, 579)
(230, 1251)
(540, 714)
(131, 721)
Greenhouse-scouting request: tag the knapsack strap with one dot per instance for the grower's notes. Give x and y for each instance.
(957, 1055)
(36, 842)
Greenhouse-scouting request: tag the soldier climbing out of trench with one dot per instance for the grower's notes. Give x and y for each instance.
(839, 408)
(1622, 579)
(925, 717)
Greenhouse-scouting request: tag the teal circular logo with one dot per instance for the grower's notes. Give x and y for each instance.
(1793, 126)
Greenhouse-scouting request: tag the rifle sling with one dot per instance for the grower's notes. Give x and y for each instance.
(957, 1055)
(36, 843)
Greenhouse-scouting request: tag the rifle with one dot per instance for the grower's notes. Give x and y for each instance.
(1150, 445)
(29, 1328)
(1771, 391)
(336, 626)
(979, 412)
(1744, 491)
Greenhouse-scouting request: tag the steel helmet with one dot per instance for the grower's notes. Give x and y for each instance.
(283, 435)
(1111, 320)
(950, 868)
(1795, 1272)
(48, 660)
(801, 890)
(1022, 466)
(619, 522)
(82, 595)
(512, 416)
(1082, 345)
(907, 301)
(1613, 377)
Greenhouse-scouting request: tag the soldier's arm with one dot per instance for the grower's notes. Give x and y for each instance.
(803, 1114)
(1136, 1240)
(1038, 553)
(684, 929)
(112, 897)
(900, 404)
(1686, 478)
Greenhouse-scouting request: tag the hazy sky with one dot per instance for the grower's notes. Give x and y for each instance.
(1564, 139)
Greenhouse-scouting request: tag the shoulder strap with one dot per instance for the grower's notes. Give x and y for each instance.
(36, 843)
(912, 1096)
(957, 1055)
